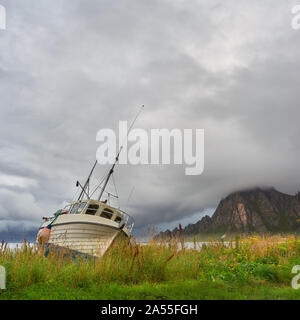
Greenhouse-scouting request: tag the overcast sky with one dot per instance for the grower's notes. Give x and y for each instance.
(70, 68)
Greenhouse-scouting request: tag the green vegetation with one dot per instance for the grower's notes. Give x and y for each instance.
(248, 268)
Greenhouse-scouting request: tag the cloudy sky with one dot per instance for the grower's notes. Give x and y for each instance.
(70, 68)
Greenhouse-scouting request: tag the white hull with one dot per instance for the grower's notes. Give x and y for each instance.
(86, 234)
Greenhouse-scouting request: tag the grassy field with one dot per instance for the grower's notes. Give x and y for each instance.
(248, 268)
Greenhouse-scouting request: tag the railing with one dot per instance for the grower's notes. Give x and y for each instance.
(129, 221)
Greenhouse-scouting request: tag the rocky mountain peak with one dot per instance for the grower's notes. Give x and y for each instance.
(257, 210)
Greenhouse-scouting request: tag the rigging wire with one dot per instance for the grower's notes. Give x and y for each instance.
(106, 177)
(114, 182)
(117, 157)
(99, 184)
(130, 195)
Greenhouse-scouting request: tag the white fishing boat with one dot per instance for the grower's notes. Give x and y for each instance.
(88, 226)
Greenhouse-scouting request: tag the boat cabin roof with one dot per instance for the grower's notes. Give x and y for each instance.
(96, 208)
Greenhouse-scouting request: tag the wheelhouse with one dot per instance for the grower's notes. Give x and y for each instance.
(102, 210)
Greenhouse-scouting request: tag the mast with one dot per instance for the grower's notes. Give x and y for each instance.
(83, 191)
(111, 171)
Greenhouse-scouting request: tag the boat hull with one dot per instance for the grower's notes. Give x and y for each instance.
(85, 234)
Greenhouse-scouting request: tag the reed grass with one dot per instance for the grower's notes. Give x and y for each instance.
(246, 262)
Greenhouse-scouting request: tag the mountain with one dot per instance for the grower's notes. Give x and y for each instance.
(257, 210)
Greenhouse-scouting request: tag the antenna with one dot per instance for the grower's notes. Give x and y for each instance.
(117, 157)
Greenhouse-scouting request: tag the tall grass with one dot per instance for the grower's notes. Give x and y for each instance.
(242, 260)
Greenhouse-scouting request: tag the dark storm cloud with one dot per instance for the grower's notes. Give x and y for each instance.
(70, 68)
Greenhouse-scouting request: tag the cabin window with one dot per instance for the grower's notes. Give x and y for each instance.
(81, 207)
(78, 207)
(74, 208)
(107, 213)
(92, 209)
(118, 219)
